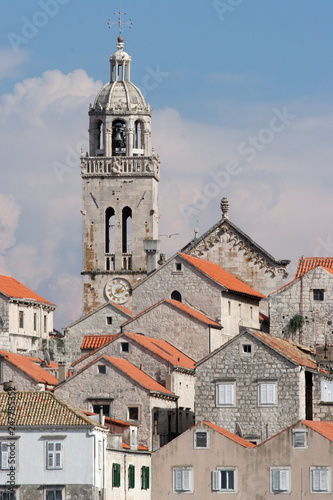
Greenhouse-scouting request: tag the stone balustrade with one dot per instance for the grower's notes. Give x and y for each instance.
(120, 165)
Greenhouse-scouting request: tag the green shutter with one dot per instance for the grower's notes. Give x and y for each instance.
(131, 476)
(144, 477)
(147, 477)
(116, 475)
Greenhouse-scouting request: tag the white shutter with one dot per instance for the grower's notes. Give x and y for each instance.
(4, 455)
(284, 480)
(323, 480)
(49, 455)
(229, 394)
(178, 479)
(263, 393)
(186, 480)
(299, 439)
(100, 455)
(58, 455)
(222, 395)
(226, 394)
(316, 480)
(215, 480)
(276, 480)
(270, 394)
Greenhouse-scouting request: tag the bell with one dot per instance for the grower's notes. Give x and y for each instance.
(118, 139)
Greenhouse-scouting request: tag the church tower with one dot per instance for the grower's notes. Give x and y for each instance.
(120, 175)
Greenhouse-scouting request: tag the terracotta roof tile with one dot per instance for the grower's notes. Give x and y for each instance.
(222, 276)
(14, 289)
(127, 311)
(164, 350)
(137, 375)
(230, 435)
(305, 264)
(28, 366)
(41, 408)
(141, 447)
(288, 349)
(193, 312)
(95, 341)
(325, 428)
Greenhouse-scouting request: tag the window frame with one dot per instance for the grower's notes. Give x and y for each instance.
(21, 319)
(326, 469)
(54, 466)
(101, 369)
(9, 464)
(226, 383)
(10, 495)
(186, 485)
(280, 469)
(328, 397)
(217, 479)
(145, 479)
(295, 432)
(318, 294)
(130, 407)
(109, 320)
(267, 383)
(195, 443)
(54, 489)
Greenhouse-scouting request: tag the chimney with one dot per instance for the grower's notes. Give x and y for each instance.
(61, 371)
(9, 386)
(151, 248)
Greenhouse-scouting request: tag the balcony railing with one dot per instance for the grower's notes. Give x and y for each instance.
(120, 165)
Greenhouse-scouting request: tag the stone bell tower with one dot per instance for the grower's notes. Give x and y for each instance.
(120, 188)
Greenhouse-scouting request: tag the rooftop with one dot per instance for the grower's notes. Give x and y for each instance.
(230, 435)
(91, 342)
(28, 365)
(305, 264)
(14, 289)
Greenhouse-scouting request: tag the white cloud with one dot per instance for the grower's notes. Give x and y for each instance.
(10, 62)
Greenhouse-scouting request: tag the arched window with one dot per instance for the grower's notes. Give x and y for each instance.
(118, 138)
(176, 296)
(138, 137)
(127, 230)
(100, 136)
(109, 230)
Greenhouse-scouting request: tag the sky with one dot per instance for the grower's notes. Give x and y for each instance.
(242, 107)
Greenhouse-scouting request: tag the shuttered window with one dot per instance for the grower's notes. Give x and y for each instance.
(182, 479)
(320, 479)
(131, 476)
(267, 393)
(224, 480)
(144, 477)
(225, 393)
(280, 480)
(300, 439)
(54, 454)
(116, 475)
(201, 439)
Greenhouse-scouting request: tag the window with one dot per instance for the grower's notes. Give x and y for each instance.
(280, 480)
(131, 476)
(267, 393)
(124, 347)
(178, 267)
(144, 477)
(300, 438)
(53, 493)
(327, 390)
(201, 439)
(176, 296)
(239, 310)
(225, 393)
(100, 454)
(54, 452)
(115, 475)
(229, 308)
(247, 348)
(21, 319)
(8, 454)
(251, 312)
(109, 320)
(182, 479)
(7, 495)
(105, 408)
(320, 479)
(45, 323)
(318, 294)
(35, 322)
(102, 369)
(224, 479)
(133, 413)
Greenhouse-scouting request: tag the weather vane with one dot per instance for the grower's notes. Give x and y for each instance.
(120, 22)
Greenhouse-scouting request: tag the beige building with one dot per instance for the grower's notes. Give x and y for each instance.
(25, 317)
(207, 461)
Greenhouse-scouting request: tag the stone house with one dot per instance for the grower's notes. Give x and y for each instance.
(183, 326)
(310, 296)
(257, 385)
(229, 247)
(127, 393)
(26, 374)
(40, 445)
(202, 285)
(105, 320)
(206, 461)
(25, 317)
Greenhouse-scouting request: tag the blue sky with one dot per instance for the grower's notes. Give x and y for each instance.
(219, 76)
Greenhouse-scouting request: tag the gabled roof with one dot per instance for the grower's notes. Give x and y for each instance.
(284, 347)
(30, 368)
(137, 375)
(91, 342)
(180, 306)
(305, 264)
(325, 428)
(329, 270)
(221, 276)
(230, 435)
(113, 304)
(14, 289)
(164, 350)
(41, 409)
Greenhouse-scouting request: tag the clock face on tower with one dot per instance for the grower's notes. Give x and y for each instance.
(118, 290)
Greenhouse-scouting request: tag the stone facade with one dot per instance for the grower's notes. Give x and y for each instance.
(226, 245)
(298, 297)
(245, 370)
(89, 387)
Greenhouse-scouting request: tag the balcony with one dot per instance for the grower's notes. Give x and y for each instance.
(141, 166)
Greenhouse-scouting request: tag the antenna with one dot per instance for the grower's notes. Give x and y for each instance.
(120, 22)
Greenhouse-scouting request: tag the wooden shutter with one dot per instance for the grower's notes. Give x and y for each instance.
(276, 480)
(201, 439)
(186, 480)
(299, 439)
(49, 455)
(58, 455)
(284, 480)
(320, 480)
(215, 480)
(131, 473)
(178, 479)
(226, 394)
(116, 475)
(147, 477)
(4, 455)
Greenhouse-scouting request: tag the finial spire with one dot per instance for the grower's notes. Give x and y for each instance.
(120, 22)
(225, 207)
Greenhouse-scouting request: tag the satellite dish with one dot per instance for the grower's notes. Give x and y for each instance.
(47, 358)
(239, 431)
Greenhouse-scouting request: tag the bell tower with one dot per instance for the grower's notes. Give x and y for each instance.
(120, 175)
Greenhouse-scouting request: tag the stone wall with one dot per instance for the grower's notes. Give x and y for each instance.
(297, 298)
(228, 364)
(77, 491)
(21, 380)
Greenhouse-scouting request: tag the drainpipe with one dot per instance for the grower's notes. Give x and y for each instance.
(301, 329)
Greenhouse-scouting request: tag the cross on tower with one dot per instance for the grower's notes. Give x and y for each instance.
(120, 22)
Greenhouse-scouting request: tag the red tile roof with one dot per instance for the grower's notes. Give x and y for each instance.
(221, 276)
(91, 342)
(325, 428)
(28, 366)
(263, 317)
(230, 435)
(305, 264)
(141, 447)
(287, 349)
(127, 311)
(14, 289)
(164, 350)
(137, 375)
